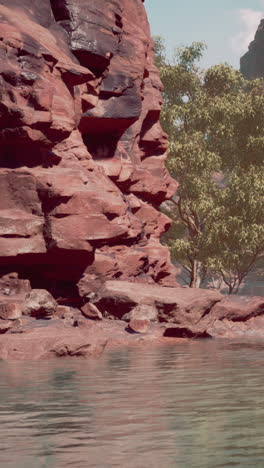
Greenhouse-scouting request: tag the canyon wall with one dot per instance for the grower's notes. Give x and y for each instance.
(81, 149)
(252, 62)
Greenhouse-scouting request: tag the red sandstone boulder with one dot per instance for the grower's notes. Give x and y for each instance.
(236, 316)
(174, 305)
(90, 311)
(238, 308)
(144, 312)
(39, 304)
(10, 310)
(252, 329)
(139, 325)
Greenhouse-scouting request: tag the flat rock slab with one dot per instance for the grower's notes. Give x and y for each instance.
(238, 308)
(189, 312)
(42, 340)
(175, 305)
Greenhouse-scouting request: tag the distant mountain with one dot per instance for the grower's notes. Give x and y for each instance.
(252, 63)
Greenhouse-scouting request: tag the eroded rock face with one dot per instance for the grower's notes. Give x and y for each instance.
(82, 151)
(252, 63)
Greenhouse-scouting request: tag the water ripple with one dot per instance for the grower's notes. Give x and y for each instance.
(188, 406)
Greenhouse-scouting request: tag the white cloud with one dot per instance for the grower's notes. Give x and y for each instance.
(249, 20)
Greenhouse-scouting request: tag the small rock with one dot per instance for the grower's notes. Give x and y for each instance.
(139, 326)
(10, 310)
(69, 315)
(64, 312)
(90, 311)
(39, 303)
(144, 312)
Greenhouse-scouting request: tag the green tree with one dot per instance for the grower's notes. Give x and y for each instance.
(215, 123)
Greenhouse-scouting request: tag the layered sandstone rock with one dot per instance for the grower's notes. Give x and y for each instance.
(145, 313)
(81, 149)
(189, 312)
(252, 63)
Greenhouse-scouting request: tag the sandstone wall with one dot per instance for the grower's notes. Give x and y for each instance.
(81, 148)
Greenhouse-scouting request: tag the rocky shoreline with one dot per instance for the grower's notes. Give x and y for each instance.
(82, 177)
(34, 326)
(53, 340)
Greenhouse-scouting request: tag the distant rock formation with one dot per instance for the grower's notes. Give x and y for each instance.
(82, 152)
(252, 66)
(252, 63)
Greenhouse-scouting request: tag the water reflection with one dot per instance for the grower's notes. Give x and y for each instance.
(196, 405)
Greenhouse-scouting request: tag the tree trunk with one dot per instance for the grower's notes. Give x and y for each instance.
(234, 288)
(196, 274)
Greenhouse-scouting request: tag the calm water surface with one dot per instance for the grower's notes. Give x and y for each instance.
(197, 405)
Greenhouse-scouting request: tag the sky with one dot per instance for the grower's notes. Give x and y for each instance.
(227, 26)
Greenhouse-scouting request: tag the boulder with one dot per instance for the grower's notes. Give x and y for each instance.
(182, 306)
(238, 308)
(40, 304)
(139, 325)
(237, 316)
(142, 312)
(90, 311)
(10, 310)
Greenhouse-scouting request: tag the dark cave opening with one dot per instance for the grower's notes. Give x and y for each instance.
(29, 154)
(103, 147)
(60, 10)
(101, 135)
(58, 271)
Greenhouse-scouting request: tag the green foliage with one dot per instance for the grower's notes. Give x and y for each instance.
(215, 123)
(159, 51)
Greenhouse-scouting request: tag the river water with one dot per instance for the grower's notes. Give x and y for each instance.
(195, 405)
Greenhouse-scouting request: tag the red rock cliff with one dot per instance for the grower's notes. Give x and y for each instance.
(82, 151)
